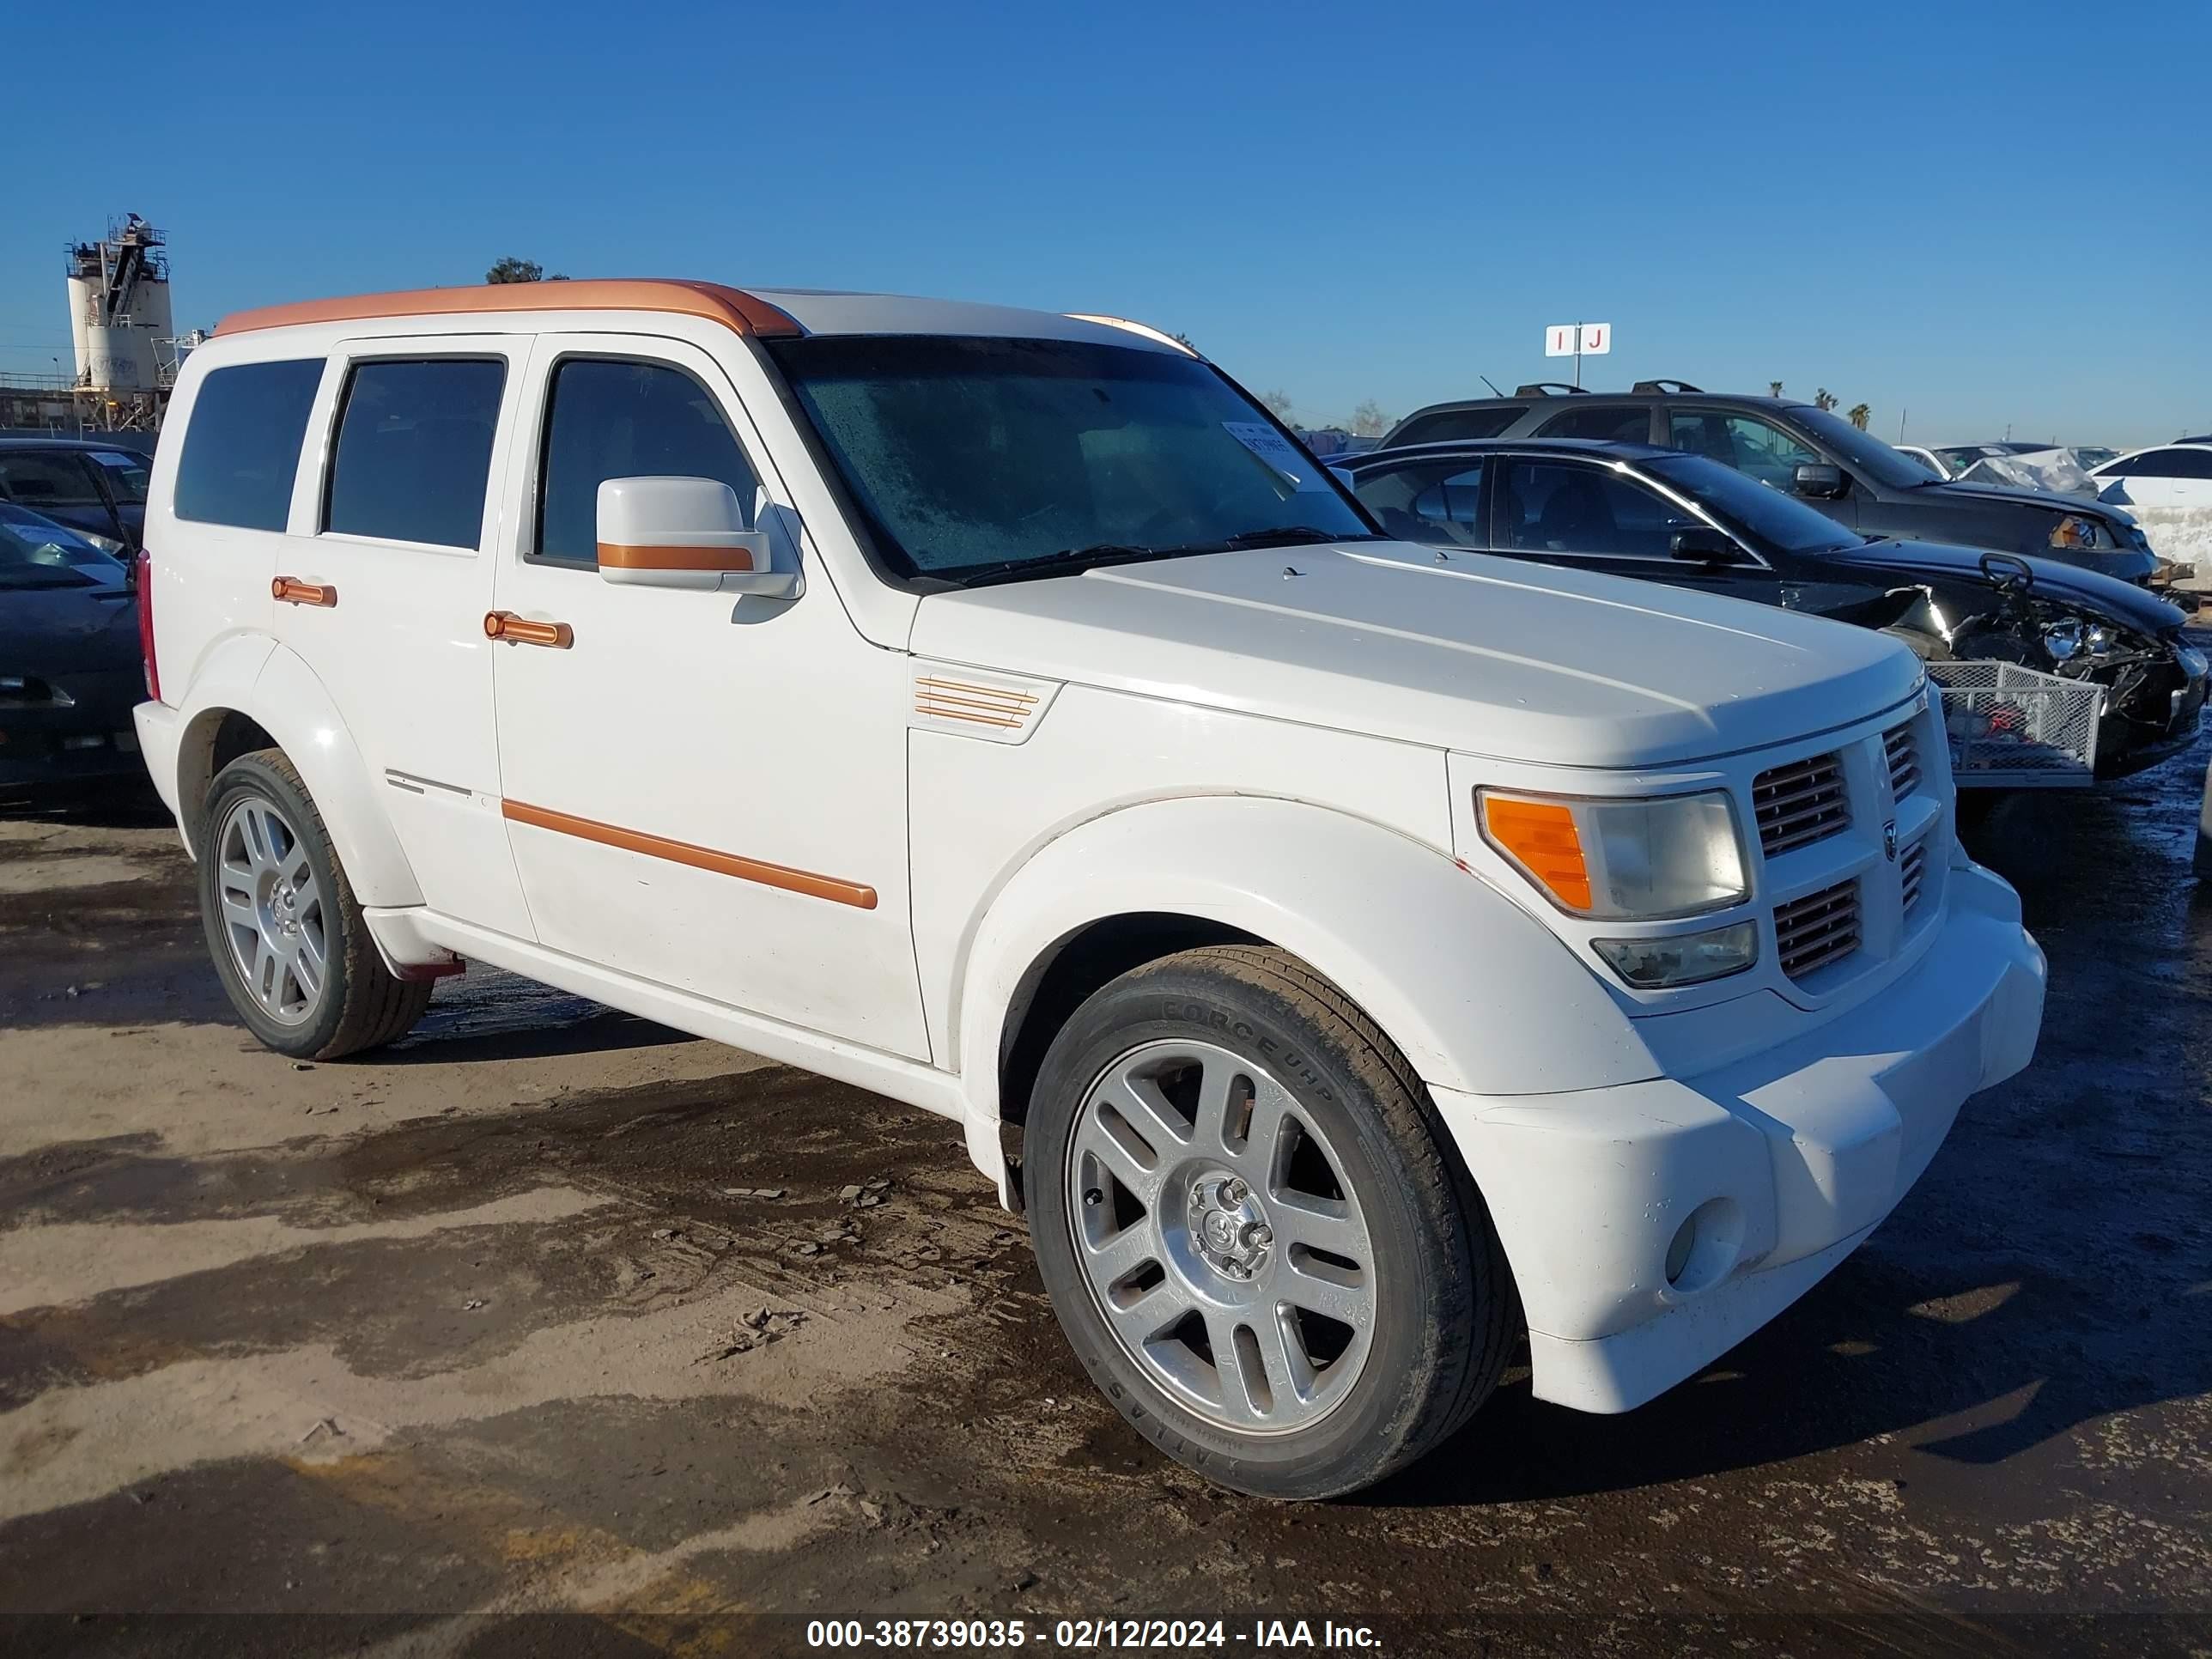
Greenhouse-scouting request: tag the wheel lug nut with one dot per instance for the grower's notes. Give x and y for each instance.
(1232, 1192)
(1262, 1236)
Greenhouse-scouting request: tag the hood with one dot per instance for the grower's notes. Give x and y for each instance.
(2068, 584)
(2042, 500)
(1483, 655)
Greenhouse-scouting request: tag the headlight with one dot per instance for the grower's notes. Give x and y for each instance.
(2061, 639)
(2076, 531)
(1650, 964)
(1629, 860)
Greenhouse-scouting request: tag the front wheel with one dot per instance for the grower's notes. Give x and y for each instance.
(1251, 1229)
(288, 939)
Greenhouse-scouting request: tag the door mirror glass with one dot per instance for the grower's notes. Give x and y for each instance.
(1703, 544)
(684, 533)
(1819, 480)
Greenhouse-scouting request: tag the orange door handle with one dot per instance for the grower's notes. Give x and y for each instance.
(292, 591)
(521, 630)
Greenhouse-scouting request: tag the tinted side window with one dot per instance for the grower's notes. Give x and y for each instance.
(414, 451)
(1453, 425)
(1742, 441)
(1548, 506)
(55, 479)
(2173, 464)
(242, 448)
(616, 419)
(1434, 503)
(125, 474)
(1613, 425)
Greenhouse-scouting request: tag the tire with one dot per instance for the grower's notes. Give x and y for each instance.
(262, 839)
(1414, 1297)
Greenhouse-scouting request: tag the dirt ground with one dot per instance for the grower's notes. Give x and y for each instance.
(553, 1331)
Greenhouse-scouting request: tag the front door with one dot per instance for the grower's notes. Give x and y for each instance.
(703, 791)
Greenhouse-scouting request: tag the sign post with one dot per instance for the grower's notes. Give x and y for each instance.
(1575, 339)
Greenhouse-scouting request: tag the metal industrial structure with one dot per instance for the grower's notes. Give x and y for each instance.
(124, 340)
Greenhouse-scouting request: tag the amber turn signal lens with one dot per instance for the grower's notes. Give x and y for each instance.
(1540, 835)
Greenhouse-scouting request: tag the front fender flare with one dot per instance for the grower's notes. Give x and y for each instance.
(1480, 996)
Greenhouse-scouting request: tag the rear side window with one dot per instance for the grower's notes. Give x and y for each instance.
(242, 448)
(624, 420)
(1615, 425)
(1453, 425)
(414, 451)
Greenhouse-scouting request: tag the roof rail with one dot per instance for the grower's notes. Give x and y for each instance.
(1665, 387)
(1550, 389)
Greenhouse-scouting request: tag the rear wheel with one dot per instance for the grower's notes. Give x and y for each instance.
(1251, 1230)
(288, 940)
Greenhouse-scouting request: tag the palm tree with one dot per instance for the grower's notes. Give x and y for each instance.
(1859, 415)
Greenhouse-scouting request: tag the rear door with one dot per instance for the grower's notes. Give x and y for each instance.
(385, 597)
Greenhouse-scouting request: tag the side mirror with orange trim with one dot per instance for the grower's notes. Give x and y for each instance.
(688, 533)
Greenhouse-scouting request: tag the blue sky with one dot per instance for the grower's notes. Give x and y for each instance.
(1983, 215)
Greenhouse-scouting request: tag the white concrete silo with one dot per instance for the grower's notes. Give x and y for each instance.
(119, 290)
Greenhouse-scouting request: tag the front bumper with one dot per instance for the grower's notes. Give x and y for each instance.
(1777, 1165)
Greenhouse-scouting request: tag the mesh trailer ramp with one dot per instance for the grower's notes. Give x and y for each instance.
(2018, 728)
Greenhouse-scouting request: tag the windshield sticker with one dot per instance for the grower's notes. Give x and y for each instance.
(1269, 445)
(121, 463)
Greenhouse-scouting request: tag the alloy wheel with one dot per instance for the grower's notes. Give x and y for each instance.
(272, 910)
(1220, 1237)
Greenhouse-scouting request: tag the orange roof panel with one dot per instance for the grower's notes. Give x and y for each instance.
(735, 308)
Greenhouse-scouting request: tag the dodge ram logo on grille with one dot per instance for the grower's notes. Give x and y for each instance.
(1889, 841)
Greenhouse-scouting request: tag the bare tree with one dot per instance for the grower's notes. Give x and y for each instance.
(1368, 421)
(511, 269)
(1279, 405)
(1824, 398)
(1859, 414)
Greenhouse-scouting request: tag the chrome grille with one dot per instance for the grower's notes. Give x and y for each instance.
(1911, 865)
(1818, 929)
(1904, 758)
(1799, 804)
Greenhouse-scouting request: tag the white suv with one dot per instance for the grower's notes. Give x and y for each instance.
(1349, 954)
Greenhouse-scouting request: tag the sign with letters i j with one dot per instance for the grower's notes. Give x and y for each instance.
(1579, 339)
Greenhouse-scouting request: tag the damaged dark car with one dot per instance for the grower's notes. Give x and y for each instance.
(1661, 515)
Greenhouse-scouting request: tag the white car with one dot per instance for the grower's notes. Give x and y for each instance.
(1348, 953)
(2165, 475)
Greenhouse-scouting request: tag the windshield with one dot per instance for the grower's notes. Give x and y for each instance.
(125, 474)
(1760, 513)
(1861, 450)
(975, 457)
(35, 553)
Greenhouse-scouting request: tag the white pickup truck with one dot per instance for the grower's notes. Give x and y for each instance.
(1349, 955)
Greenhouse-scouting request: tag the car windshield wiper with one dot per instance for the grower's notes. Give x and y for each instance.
(1291, 535)
(1058, 564)
(1105, 553)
